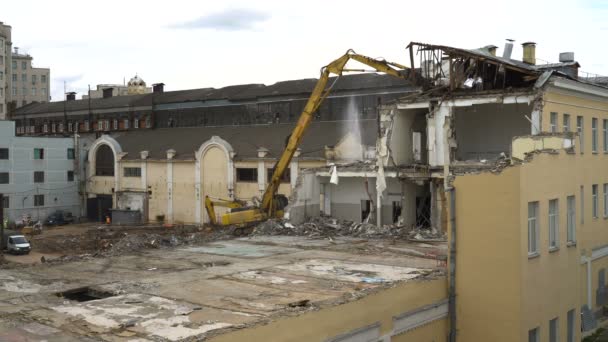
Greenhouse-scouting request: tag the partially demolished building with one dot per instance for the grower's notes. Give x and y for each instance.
(509, 159)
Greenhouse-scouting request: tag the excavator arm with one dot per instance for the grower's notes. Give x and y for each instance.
(272, 205)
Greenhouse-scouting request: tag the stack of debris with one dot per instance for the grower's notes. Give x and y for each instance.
(326, 227)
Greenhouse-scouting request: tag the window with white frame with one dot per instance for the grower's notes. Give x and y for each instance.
(136, 123)
(533, 228)
(553, 122)
(553, 224)
(571, 219)
(581, 133)
(70, 126)
(86, 125)
(61, 127)
(53, 127)
(594, 135)
(594, 200)
(115, 124)
(126, 124)
(45, 128)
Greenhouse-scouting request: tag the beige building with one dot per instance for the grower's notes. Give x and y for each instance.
(20, 82)
(135, 86)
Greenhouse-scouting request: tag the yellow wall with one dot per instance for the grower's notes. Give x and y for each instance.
(129, 183)
(184, 203)
(333, 321)
(488, 256)
(157, 184)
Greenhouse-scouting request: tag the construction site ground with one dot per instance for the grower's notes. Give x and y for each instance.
(91, 282)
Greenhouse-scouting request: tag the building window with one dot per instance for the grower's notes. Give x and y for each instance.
(104, 161)
(533, 335)
(115, 124)
(581, 133)
(553, 122)
(61, 127)
(6, 202)
(23, 65)
(34, 79)
(136, 123)
(70, 126)
(71, 153)
(23, 78)
(4, 178)
(570, 328)
(3, 153)
(14, 77)
(45, 128)
(1, 60)
(53, 127)
(285, 178)
(553, 224)
(594, 201)
(571, 219)
(1, 106)
(582, 197)
(148, 122)
(15, 66)
(126, 123)
(594, 135)
(70, 176)
(605, 134)
(247, 174)
(43, 91)
(38, 153)
(43, 78)
(24, 91)
(397, 209)
(533, 228)
(14, 91)
(554, 330)
(38, 200)
(38, 176)
(132, 171)
(86, 125)
(1, 75)
(33, 91)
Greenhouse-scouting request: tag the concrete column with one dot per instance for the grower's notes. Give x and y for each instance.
(197, 192)
(261, 177)
(169, 191)
(293, 172)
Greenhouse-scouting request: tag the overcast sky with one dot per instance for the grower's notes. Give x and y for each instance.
(197, 44)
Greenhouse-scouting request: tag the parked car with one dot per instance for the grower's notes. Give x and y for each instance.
(16, 243)
(59, 218)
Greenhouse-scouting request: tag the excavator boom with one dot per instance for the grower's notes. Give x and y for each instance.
(271, 205)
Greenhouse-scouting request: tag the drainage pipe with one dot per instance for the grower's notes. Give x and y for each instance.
(452, 266)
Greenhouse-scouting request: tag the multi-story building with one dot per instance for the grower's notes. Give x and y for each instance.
(20, 82)
(37, 175)
(5, 62)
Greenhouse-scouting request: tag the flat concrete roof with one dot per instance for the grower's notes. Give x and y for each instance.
(203, 290)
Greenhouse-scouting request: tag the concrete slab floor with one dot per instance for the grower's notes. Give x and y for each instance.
(186, 293)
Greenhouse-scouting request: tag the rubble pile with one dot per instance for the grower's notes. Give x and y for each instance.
(324, 227)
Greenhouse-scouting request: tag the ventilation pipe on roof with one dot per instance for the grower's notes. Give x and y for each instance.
(71, 96)
(158, 88)
(508, 49)
(529, 56)
(492, 49)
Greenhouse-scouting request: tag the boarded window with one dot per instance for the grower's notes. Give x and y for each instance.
(247, 175)
(3, 153)
(4, 178)
(104, 161)
(285, 177)
(38, 200)
(38, 176)
(132, 172)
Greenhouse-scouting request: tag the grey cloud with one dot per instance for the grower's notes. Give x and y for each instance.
(228, 20)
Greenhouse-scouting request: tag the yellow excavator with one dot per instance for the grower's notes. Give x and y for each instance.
(272, 204)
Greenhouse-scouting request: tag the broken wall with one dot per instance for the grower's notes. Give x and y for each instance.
(484, 131)
(305, 200)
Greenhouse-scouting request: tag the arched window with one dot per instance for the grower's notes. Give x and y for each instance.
(104, 161)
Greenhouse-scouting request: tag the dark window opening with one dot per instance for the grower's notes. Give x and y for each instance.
(132, 172)
(423, 211)
(38, 176)
(285, 177)
(247, 175)
(5, 202)
(71, 154)
(70, 176)
(366, 209)
(38, 200)
(38, 153)
(4, 178)
(3, 153)
(396, 211)
(104, 161)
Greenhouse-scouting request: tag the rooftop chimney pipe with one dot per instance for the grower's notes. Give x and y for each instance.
(508, 49)
(158, 87)
(16, 50)
(492, 49)
(529, 56)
